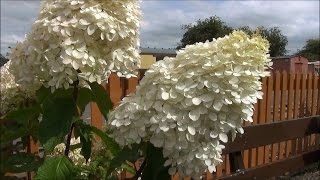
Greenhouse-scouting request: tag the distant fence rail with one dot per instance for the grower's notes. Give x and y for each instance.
(283, 136)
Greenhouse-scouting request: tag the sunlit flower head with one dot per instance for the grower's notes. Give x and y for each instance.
(79, 40)
(188, 104)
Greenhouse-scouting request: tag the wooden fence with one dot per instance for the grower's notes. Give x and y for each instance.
(284, 133)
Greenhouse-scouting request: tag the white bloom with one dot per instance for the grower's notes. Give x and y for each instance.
(74, 155)
(188, 104)
(77, 39)
(12, 94)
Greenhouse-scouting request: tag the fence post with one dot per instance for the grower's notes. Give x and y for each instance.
(32, 148)
(236, 161)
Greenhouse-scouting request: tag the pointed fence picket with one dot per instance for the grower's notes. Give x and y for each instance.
(286, 96)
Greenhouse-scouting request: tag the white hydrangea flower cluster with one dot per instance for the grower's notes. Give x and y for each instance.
(74, 155)
(188, 104)
(79, 40)
(12, 94)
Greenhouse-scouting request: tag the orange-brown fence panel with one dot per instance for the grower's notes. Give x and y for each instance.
(307, 140)
(283, 110)
(276, 115)
(296, 108)
(268, 109)
(260, 111)
(286, 96)
(315, 90)
(290, 106)
(301, 109)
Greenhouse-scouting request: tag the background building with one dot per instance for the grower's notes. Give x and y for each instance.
(314, 67)
(291, 64)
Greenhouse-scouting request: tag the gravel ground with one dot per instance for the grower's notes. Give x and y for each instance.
(311, 172)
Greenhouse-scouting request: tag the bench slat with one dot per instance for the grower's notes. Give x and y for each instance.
(276, 168)
(264, 134)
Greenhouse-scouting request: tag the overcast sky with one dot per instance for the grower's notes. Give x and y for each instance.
(162, 19)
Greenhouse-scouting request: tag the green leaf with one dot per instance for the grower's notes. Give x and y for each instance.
(19, 123)
(49, 144)
(57, 167)
(109, 142)
(8, 134)
(154, 170)
(75, 146)
(86, 146)
(84, 97)
(84, 131)
(24, 116)
(126, 154)
(19, 162)
(56, 122)
(101, 98)
(126, 167)
(43, 93)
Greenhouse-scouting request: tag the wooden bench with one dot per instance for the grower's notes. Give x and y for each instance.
(266, 134)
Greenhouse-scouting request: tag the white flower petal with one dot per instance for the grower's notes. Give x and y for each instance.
(214, 134)
(212, 169)
(91, 29)
(194, 114)
(191, 130)
(213, 116)
(75, 65)
(196, 101)
(208, 162)
(217, 105)
(165, 95)
(172, 170)
(223, 137)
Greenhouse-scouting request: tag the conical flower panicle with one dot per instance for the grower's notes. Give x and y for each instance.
(188, 104)
(79, 40)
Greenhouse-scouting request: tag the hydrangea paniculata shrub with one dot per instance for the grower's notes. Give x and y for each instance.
(188, 104)
(12, 94)
(79, 40)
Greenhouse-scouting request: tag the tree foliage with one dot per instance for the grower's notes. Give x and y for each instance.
(214, 27)
(311, 50)
(3, 60)
(277, 40)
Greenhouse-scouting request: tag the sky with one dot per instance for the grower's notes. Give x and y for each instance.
(162, 19)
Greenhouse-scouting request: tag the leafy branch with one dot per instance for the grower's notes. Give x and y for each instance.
(75, 97)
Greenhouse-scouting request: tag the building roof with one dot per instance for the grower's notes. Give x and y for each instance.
(283, 57)
(314, 62)
(155, 51)
(286, 57)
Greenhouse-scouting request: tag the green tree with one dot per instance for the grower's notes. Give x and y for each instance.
(277, 40)
(311, 50)
(212, 27)
(3, 60)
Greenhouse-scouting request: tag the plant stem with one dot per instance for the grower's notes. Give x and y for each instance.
(66, 152)
(139, 172)
(75, 97)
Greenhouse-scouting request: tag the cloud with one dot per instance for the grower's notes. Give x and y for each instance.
(298, 20)
(162, 20)
(8, 40)
(16, 20)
